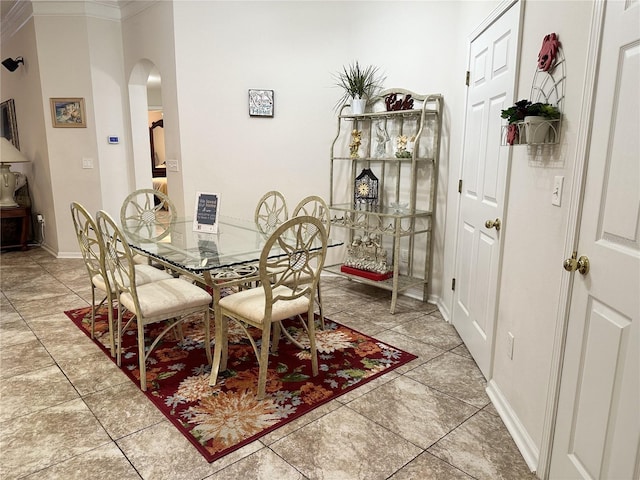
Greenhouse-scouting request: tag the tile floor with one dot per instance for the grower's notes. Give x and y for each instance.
(66, 411)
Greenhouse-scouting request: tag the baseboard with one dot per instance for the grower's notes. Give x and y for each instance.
(64, 254)
(530, 452)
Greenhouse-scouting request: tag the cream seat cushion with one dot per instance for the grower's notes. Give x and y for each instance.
(144, 274)
(166, 298)
(251, 303)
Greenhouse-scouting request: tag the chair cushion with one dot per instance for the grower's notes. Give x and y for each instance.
(167, 298)
(144, 274)
(250, 304)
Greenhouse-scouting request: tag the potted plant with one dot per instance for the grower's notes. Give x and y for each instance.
(534, 116)
(359, 84)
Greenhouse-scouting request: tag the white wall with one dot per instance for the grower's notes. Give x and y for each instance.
(535, 230)
(222, 49)
(24, 86)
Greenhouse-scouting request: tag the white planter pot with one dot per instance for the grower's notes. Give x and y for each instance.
(537, 129)
(357, 105)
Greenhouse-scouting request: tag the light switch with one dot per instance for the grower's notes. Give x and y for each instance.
(172, 165)
(556, 195)
(87, 162)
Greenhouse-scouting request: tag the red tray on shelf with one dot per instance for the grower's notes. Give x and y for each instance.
(365, 273)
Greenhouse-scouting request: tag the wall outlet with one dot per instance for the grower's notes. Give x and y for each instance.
(87, 162)
(40, 218)
(510, 339)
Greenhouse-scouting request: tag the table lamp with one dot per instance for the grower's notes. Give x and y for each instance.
(8, 154)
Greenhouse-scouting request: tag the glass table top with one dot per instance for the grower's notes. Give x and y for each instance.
(237, 242)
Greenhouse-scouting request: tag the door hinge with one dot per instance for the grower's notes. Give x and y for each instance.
(460, 186)
(467, 78)
(453, 284)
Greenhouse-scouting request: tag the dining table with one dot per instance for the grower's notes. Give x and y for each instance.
(222, 260)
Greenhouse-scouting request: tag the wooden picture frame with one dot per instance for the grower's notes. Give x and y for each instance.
(8, 123)
(205, 218)
(260, 103)
(68, 113)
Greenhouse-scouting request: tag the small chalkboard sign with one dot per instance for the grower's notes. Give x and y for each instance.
(206, 215)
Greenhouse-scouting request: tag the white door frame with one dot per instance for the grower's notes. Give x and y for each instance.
(571, 235)
(486, 23)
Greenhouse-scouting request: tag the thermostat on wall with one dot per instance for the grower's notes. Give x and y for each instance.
(113, 139)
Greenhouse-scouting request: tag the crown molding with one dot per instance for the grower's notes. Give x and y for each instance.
(103, 9)
(19, 14)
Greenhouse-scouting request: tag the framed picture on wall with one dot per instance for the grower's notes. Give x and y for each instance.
(261, 103)
(9, 126)
(68, 113)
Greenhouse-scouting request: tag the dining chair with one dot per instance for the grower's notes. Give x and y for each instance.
(93, 256)
(271, 212)
(298, 258)
(316, 207)
(172, 300)
(149, 215)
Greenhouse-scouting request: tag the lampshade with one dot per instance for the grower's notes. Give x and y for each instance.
(8, 154)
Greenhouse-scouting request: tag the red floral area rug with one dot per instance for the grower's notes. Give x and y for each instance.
(218, 420)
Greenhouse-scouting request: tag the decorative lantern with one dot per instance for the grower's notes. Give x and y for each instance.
(366, 188)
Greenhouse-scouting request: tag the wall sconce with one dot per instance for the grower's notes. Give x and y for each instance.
(11, 64)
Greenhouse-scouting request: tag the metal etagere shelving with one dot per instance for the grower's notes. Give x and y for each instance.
(400, 221)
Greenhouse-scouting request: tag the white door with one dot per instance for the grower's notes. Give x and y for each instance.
(598, 421)
(492, 66)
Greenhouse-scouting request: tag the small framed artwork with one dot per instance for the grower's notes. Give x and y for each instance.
(68, 113)
(261, 103)
(9, 126)
(205, 218)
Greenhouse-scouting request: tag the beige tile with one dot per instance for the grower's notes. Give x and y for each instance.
(454, 375)
(36, 307)
(431, 329)
(367, 387)
(483, 448)
(13, 333)
(412, 410)
(92, 373)
(461, 350)
(261, 465)
(34, 391)
(39, 286)
(426, 466)
(345, 446)
(424, 351)
(103, 462)
(300, 422)
(161, 452)
(123, 409)
(22, 358)
(38, 440)
(357, 322)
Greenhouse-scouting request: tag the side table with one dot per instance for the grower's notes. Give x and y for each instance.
(15, 226)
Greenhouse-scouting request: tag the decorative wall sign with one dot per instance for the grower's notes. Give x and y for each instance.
(394, 102)
(261, 103)
(205, 218)
(68, 113)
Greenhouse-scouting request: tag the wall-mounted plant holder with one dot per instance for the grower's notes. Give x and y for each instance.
(547, 87)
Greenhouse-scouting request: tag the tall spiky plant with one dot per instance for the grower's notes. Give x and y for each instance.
(358, 82)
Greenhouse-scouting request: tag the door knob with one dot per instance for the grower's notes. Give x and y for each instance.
(493, 224)
(581, 264)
